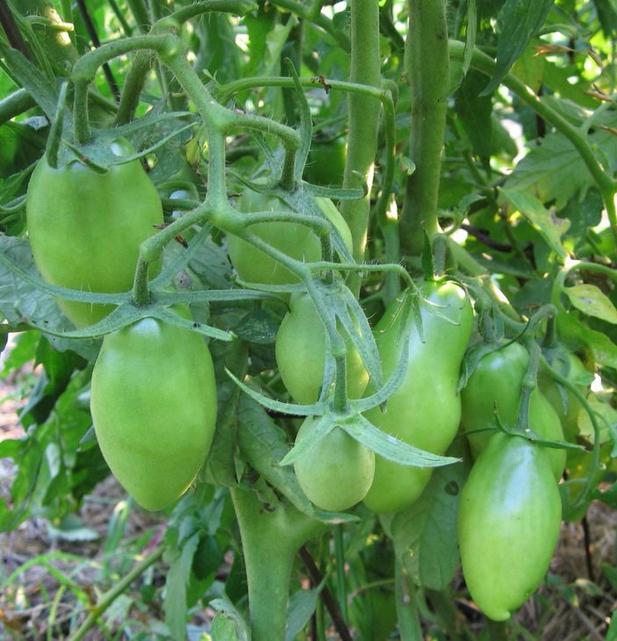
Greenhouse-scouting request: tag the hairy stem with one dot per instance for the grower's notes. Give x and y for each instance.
(363, 121)
(271, 538)
(427, 65)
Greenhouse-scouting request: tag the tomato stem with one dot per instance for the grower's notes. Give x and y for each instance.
(363, 122)
(427, 63)
(270, 541)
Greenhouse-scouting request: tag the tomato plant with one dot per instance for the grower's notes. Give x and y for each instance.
(330, 286)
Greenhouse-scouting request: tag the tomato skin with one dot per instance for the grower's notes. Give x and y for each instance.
(496, 384)
(337, 472)
(425, 410)
(301, 352)
(508, 524)
(153, 405)
(326, 163)
(566, 404)
(294, 239)
(85, 229)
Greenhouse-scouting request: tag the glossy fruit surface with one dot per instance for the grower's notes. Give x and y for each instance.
(153, 406)
(294, 239)
(495, 385)
(301, 353)
(508, 524)
(85, 228)
(425, 410)
(337, 472)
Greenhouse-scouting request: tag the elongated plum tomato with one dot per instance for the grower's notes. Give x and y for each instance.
(337, 471)
(153, 406)
(85, 228)
(495, 385)
(294, 239)
(425, 410)
(301, 353)
(508, 524)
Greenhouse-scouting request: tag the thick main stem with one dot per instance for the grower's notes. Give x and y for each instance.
(363, 120)
(426, 59)
(270, 541)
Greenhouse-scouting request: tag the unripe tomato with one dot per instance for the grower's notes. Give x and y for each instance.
(508, 524)
(337, 472)
(425, 410)
(153, 406)
(565, 403)
(496, 385)
(301, 353)
(294, 239)
(85, 228)
(325, 164)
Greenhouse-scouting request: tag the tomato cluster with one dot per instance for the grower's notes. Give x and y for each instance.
(154, 390)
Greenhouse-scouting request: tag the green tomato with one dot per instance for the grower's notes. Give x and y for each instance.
(294, 239)
(425, 410)
(508, 524)
(565, 403)
(495, 385)
(153, 406)
(301, 353)
(325, 164)
(337, 472)
(85, 229)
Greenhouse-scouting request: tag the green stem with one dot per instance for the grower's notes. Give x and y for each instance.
(606, 185)
(14, 104)
(528, 385)
(242, 84)
(590, 484)
(318, 20)
(363, 122)
(53, 142)
(406, 608)
(109, 597)
(140, 13)
(427, 64)
(270, 541)
(341, 586)
(133, 85)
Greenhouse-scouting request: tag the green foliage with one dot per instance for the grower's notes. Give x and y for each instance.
(237, 121)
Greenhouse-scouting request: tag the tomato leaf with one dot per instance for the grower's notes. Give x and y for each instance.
(547, 225)
(231, 625)
(604, 350)
(424, 534)
(321, 428)
(302, 605)
(390, 447)
(519, 21)
(263, 443)
(590, 300)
